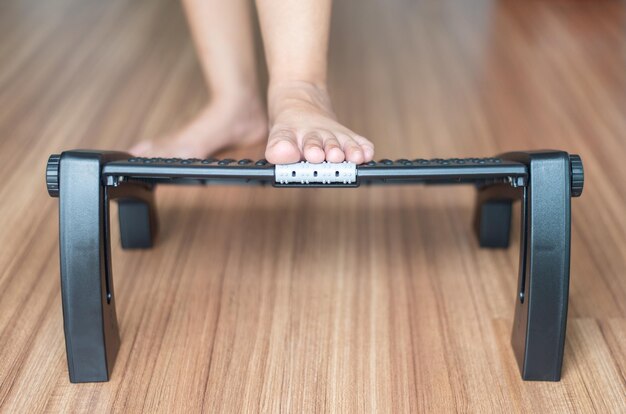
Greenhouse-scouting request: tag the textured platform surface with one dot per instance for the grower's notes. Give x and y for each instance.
(380, 299)
(419, 170)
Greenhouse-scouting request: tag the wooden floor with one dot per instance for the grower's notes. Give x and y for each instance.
(368, 300)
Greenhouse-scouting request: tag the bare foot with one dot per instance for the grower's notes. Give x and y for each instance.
(304, 126)
(223, 123)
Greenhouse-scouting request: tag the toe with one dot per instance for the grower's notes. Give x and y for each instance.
(353, 151)
(282, 147)
(333, 150)
(366, 146)
(368, 153)
(312, 147)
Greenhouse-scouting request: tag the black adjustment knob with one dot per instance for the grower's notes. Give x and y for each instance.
(577, 176)
(52, 175)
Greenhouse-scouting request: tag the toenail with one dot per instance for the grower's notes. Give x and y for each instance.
(313, 147)
(282, 141)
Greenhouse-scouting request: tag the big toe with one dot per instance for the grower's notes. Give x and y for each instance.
(282, 147)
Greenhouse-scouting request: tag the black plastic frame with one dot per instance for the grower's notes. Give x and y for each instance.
(86, 182)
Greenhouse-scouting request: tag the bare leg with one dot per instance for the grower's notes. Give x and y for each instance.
(303, 124)
(222, 32)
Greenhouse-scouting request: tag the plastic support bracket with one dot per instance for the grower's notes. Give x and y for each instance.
(538, 334)
(88, 299)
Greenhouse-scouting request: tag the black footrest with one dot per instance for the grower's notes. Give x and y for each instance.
(86, 181)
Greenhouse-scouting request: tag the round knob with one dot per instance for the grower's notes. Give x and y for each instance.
(52, 175)
(577, 176)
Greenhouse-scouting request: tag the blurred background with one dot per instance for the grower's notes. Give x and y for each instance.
(319, 300)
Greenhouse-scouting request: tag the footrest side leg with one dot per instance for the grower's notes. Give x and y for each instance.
(539, 325)
(492, 217)
(137, 216)
(89, 318)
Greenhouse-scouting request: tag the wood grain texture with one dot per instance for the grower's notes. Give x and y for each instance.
(368, 300)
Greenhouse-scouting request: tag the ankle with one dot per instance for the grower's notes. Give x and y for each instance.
(279, 86)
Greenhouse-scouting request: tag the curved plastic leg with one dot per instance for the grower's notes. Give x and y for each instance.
(538, 336)
(492, 219)
(137, 215)
(89, 318)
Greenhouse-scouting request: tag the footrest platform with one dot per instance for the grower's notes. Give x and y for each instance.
(86, 181)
